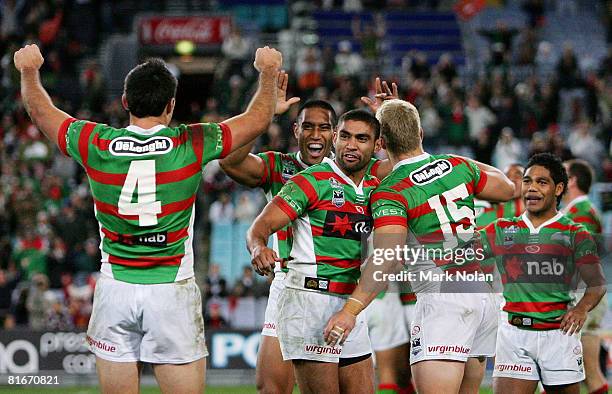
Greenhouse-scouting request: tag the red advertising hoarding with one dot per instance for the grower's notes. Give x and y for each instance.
(168, 30)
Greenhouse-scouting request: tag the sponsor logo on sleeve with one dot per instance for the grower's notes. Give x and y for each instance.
(431, 171)
(129, 146)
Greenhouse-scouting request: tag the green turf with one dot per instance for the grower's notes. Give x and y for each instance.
(144, 390)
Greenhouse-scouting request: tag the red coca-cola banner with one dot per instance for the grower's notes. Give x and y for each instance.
(165, 30)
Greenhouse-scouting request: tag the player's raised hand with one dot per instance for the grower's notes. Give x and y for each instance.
(383, 92)
(339, 327)
(28, 58)
(263, 260)
(267, 58)
(572, 321)
(282, 104)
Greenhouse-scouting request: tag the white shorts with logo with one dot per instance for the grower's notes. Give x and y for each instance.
(302, 317)
(277, 285)
(157, 323)
(522, 353)
(387, 328)
(453, 326)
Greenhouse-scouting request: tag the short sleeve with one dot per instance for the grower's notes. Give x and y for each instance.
(74, 139)
(585, 248)
(388, 208)
(480, 177)
(269, 160)
(297, 195)
(215, 140)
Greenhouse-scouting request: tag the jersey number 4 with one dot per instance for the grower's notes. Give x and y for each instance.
(457, 214)
(141, 176)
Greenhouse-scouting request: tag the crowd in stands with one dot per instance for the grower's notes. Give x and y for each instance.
(531, 97)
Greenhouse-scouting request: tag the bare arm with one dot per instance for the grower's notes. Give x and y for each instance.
(46, 116)
(244, 167)
(371, 282)
(498, 187)
(269, 221)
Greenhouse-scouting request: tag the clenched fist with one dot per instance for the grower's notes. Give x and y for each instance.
(268, 58)
(28, 58)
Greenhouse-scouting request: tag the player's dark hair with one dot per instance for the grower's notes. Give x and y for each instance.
(583, 172)
(362, 116)
(554, 165)
(320, 104)
(148, 88)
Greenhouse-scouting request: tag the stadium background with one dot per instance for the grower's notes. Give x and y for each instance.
(495, 80)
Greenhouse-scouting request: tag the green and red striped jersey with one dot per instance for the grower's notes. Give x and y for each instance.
(582, 211)
(487, 213)
(433, 197)
(330, 217)
(538, 266)
(144, 185)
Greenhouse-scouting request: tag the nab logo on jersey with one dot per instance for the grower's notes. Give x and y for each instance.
(128, 146)
(430, 172)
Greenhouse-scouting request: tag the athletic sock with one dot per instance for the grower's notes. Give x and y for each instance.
(408, 390)
(388, 388)
(602, 390)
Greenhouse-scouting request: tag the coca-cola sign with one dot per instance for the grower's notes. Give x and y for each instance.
(168, 30)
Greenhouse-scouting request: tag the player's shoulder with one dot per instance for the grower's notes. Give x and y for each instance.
(322, 170)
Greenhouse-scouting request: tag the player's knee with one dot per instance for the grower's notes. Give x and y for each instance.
(273, 386)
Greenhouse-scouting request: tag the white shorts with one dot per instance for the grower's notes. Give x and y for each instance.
(549, 356)
(158, 323)
(387, 329)
(409, 312)
(302, 317)
(453, 326)
(277, 285)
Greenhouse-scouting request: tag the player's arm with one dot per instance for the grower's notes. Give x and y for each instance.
(46, 116)
(269, 221)
(589, 268)
(241, 165)
(372, 281)
(497, 186)
(255, 120)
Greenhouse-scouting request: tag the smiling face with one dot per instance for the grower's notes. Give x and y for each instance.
(314, 132)
(355, 143)
(539, 191)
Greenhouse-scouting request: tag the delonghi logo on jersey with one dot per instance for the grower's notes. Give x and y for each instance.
(431, 171)
(129, 146)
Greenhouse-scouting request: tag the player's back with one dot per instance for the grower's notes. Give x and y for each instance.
(144, 184)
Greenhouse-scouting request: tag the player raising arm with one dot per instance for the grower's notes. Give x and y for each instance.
(147, 306)
(411, 197)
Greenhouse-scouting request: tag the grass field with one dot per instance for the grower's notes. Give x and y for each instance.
(145, 390)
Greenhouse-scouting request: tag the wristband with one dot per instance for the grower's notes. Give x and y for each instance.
(353, 306)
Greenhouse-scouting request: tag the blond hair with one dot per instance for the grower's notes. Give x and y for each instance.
(400, 126)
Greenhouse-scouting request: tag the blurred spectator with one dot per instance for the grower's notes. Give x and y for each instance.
(567, 69)
(237, 50)
(29, 253)
(502, 34)
(215, 285)
(584, 145)
(248, 286)
(545, 60)
(222, 210)
(535, 12)
(446, 68)
(348, 63)
(7, 285)
(480, 118)
(309, 69)
(508, 150)
(39, 302)
(246, 210)
(58, 316)
(213, 318)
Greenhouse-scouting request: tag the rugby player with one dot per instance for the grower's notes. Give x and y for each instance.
(538, 255)
(448, 329)
(327, 206)
(313, 130)
(580, 209)
(147, 306)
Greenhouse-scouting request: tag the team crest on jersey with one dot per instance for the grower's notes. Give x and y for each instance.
(129, 146)
(431, 171)
(289, 170)
(338, 197)
(509, 235)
